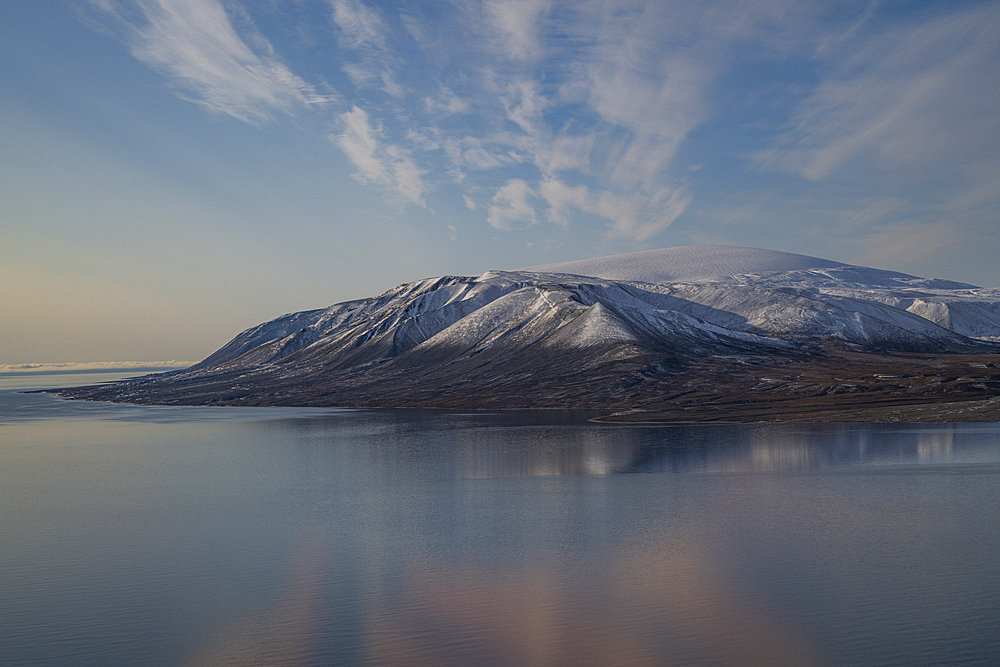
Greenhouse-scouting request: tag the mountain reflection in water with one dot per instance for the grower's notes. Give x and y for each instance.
(564, 443)
(193, 536)
(650, 586)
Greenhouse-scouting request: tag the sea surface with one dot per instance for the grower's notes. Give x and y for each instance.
(139, 535)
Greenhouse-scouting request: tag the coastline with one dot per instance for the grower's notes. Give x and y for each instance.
(832, 386)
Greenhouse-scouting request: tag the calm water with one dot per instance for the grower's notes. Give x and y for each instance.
(227, 536)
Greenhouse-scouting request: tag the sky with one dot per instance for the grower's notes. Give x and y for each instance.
(175, 171)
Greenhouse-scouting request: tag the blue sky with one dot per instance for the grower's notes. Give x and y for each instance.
(178, 170)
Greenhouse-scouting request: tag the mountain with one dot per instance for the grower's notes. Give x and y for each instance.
(693, 329)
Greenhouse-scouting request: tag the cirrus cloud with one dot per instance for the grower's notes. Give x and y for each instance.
(195, 45)
(379, 163)
(610, 113)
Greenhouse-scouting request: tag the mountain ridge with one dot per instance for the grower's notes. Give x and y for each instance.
(553, 338)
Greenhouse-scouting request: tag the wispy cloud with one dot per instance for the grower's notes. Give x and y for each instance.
(636, 218)
(643, 219)
(366, 37)
(610, 113)
(906, 241)
(510, 208)
(590, 112)
(560, 197)
(378, 162)
(361, 26)
(566, 152)
(446, 102)
(917, 94)
(518, 26)
(194, 43)
(472, 109)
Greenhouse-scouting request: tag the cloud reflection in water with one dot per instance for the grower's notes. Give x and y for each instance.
(491, 570)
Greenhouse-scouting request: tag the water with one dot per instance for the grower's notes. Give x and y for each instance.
(229, 536)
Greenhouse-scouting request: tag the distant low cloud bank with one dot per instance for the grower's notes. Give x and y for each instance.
(92, 366)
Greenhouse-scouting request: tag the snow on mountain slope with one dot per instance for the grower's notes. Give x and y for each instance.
(976, 315)
(807, 314)
(264, 333)
(674, 302)
(845, 277)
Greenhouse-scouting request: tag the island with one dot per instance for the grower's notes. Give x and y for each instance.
(689, 334)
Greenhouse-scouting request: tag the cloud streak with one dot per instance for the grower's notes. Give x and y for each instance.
(194, 44)
(382, 164)
(912, 94)
(510, 208)
(535, 113)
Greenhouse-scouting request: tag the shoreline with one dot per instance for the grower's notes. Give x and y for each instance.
(833, 386)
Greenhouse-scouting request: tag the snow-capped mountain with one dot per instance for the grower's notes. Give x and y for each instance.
(774, 299)
(562, 326)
